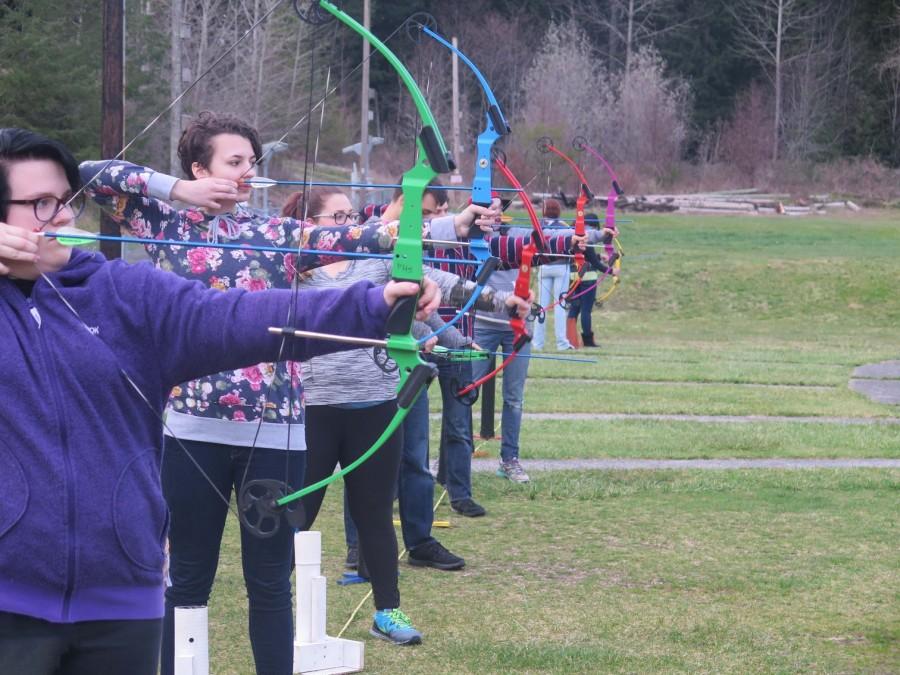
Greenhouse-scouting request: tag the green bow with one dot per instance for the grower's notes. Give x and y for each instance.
(261, 503)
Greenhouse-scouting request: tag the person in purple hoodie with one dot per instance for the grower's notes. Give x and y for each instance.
(90, 351)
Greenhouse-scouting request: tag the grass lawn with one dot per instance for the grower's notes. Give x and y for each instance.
(726, 571)
(738, 571)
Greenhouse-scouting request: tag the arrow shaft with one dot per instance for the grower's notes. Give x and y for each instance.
(240, 247)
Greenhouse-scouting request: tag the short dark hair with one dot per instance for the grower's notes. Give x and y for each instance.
(439, 193)
(552, 209)
(21, 144)
(195, 144)
(592, 220)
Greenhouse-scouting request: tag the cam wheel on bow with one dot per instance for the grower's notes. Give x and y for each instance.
(260, 512)
(415, 23)
(312, 12)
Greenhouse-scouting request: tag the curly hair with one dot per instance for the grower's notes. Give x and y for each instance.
(195, 144)
(552, 208)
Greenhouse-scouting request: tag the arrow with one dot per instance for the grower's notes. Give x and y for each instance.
(73, 236)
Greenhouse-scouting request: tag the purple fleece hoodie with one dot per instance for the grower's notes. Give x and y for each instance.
(82, 517)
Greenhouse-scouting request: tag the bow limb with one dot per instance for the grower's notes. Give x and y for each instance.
(612, 247)
(482, 182)
(495, 127)
(414, 373)
(537, 244)
(585, 196)
(522, 286)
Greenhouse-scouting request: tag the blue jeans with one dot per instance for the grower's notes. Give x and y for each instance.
(554, 282)
(492, 339)
(455, 470)
(415, 487)
(195, 536)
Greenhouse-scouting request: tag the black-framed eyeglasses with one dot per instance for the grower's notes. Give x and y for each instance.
(340, 217)
(47, 208)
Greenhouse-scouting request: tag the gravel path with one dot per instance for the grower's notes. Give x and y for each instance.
(879, 381)
(487, 465)
(671, 383)
(712, 419)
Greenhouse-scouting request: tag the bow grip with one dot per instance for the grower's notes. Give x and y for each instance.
(487, 269)
(521, 341)
(417, 382)
(402, 315)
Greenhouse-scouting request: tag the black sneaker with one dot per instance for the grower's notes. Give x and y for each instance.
(468, 508)
(352, 561)
(434, 555)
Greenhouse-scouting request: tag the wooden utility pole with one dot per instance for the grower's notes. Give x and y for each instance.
(364, 122)
(176, 21)
(455, 177)
(779, 34)
(112, 129)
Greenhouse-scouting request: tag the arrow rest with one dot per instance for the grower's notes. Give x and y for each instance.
(314, 14)
(259, 510)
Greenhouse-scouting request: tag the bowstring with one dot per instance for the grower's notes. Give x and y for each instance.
(174, 101)
(160, 417)
(289, 364)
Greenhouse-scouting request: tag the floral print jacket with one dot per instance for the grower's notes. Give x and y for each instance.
(126, 191)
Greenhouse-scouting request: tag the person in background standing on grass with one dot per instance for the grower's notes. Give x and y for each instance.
(583, 304)
(553, 281)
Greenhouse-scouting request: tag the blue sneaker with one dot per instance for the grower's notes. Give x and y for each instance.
(394, 626)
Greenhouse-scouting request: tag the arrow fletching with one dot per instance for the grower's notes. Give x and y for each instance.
(71, 236)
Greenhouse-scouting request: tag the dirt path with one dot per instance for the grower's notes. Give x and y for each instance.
(486, 465)
(716, 419)
(879, 382)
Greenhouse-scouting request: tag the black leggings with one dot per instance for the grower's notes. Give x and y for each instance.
(341, 435)
(30, 646)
